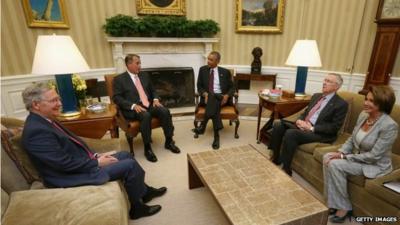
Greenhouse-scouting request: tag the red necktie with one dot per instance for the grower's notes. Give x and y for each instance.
(211, 81)
(315, 109)
(91, 155)
(142, 94)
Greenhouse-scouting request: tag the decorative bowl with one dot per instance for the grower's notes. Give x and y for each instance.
(98, 107)
(274, 96)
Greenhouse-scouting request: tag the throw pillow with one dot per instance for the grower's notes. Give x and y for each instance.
(11, 142)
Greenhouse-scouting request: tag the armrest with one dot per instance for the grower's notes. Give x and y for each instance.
(376, 188)
(75, 205)
(235, 98)
(120, 119)
(196, 98)
(103, 145)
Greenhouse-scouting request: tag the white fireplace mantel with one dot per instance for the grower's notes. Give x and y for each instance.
(121, 46)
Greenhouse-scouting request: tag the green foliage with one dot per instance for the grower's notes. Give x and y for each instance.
(159, 26)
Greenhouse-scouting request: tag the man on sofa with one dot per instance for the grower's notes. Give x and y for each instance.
(64, 160)
(320, 122)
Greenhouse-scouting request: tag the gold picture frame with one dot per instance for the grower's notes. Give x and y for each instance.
(260, 16)
(45, 13)
(161, 7)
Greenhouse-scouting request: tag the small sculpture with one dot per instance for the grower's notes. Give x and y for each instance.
(256, 64)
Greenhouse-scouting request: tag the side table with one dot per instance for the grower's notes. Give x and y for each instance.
(280, 107)
(92, 125)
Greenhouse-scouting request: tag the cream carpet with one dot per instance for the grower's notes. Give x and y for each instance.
(181, 205)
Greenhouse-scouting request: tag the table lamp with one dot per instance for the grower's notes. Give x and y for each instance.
(58, 55)
(304, 54)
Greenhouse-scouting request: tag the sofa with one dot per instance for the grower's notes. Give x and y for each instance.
(368, 196)
(24, 200)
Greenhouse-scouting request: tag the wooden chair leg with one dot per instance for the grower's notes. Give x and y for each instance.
(237, 123)
(196, 125)
(129, 138)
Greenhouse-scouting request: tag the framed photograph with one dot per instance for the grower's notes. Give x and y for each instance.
(260, 16)
(45, 13)
(161, 7)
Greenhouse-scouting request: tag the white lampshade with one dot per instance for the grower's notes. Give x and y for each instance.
(57, 54)
(304, 53)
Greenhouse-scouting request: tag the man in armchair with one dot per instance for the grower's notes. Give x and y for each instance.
(215, 86)
(137, 99)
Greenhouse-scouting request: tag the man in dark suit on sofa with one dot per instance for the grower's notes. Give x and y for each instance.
(64, 160)
(320, 122)
(215, 86)
(137, 99)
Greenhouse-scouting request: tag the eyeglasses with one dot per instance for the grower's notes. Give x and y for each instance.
(52, 101)
(329, 81)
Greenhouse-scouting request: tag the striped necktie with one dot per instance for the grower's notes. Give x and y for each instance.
(211, 81)
(142, 94)
(315, 108)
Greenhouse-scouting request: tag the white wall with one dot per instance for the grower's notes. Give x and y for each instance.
(12, 87)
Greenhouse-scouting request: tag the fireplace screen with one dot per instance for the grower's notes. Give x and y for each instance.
(175, 86)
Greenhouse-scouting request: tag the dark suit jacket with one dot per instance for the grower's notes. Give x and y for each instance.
(60, 161)
(126, 94)
(225, 81)
(331, 118)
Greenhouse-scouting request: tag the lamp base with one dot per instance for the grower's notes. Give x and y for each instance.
(70, 114)
(301, 79)
(299, 95)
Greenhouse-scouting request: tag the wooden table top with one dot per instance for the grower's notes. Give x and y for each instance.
(87, 115)
(284, 100)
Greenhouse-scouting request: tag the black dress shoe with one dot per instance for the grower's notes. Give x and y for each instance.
(150, 155)
(288, 171)
(215, 144)
(199, 130)
(341, 219)
(143, 210)
(172, 147)
(153, 193)
(275, 160)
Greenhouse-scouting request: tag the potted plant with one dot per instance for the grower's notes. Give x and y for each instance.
(159, 26)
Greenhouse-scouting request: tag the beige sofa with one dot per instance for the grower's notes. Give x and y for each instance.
(25, 201)
(369, 197)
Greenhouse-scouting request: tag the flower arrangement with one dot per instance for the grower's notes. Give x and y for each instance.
(159, 26)
(79, 87)
(52, 85)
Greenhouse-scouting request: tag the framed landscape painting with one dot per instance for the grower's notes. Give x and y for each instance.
(262, 16)
(161, 7)
(45, 13)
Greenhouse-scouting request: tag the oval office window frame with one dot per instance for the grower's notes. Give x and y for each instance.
(152, 7)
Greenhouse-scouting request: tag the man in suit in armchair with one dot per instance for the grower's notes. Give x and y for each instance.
(320, 122)
(64, 160)
(215, 86)
(137, 99)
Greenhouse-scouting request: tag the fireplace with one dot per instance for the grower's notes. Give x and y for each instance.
(174, 85)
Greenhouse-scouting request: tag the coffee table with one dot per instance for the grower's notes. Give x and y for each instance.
(252, 190)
